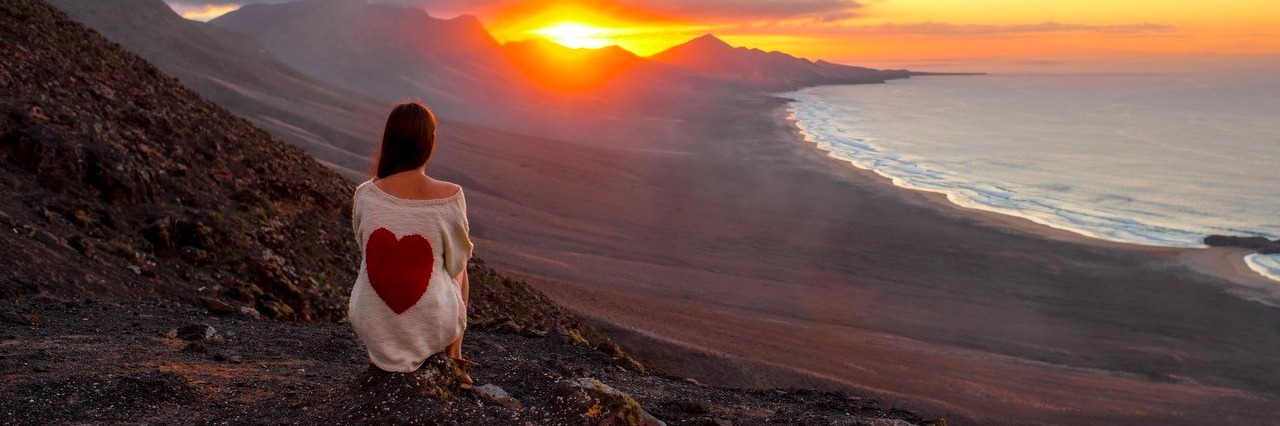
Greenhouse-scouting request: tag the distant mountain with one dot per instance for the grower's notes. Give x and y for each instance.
(120, 182)
(773, 71)
(335, 125)
(387, 52)
(558, 67)
(605, 72)
(390, 53)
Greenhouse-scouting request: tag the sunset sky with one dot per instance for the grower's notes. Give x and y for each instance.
(871, 31)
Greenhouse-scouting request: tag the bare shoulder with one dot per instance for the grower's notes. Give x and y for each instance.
(443, 188)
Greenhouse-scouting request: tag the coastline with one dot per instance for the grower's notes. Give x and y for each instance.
(1221, 262)
(754, 260)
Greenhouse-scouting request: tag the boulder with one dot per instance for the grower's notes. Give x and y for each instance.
(496, 395)
(200, 333)
(602, 405)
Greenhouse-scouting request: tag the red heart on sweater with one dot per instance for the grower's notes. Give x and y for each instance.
(399, 269)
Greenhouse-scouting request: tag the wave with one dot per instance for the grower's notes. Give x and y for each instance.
(811, 117)
(1267, 265)
(1123, 222)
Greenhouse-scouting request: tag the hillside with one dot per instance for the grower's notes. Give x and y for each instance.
(237, 73)
(770, 71)
(151, 232)
(119, 180)
(385, 52)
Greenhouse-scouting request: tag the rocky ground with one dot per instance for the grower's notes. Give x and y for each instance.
(89, 360)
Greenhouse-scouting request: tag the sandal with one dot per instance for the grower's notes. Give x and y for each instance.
(466, 365)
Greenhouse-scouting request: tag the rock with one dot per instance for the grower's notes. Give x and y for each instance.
(533, 333)
(274, 309)
(200, 333)
(1256, 243)
(217, 306)
(250, 312)
(601, 404)
(379, 396)
(497, 395)
(510, 326)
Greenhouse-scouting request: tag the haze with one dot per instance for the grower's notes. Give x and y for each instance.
(994, 35)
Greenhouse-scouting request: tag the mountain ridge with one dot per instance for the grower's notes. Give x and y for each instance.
(238, 73)
(769, 71)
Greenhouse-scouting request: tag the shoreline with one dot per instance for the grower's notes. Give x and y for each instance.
(1226, 263)
(768, 264)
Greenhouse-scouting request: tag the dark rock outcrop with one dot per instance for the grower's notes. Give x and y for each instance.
(1256, 243)
(602, 405)
(1261, 244)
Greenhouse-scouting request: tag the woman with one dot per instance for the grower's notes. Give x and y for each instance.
(410, 299)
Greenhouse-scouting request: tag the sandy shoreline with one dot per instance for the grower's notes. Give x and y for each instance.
(1223, 262)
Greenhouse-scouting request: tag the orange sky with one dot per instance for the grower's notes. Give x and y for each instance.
(882, 30)
(923, 29)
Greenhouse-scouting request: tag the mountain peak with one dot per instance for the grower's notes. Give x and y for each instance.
(708, 40)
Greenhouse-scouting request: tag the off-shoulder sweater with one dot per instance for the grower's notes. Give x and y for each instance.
(405, 305)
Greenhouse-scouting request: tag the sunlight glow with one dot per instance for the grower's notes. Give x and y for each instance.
(203, 12)
(575, 35)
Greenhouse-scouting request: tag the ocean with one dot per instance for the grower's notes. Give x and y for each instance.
(1154, 159)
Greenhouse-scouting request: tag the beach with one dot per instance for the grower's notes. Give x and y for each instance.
(756, 260)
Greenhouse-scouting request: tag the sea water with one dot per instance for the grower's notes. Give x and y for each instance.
(1154, 159)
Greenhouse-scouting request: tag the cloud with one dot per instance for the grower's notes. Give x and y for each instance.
(837, 28)
(942, 28)
(716, 10)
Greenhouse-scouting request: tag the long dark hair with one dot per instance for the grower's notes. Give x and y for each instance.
(407, 141)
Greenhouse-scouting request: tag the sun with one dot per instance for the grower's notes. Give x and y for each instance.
(576, 35)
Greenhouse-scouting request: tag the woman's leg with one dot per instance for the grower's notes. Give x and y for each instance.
(455, 349)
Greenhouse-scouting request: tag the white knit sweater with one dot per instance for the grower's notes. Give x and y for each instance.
(405, 305)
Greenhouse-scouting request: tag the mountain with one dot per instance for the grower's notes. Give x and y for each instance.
(607, 72)
(118, 181)
(385, 52)
(771, 71)
(335, 125)
(390, 53)
(562, 68)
